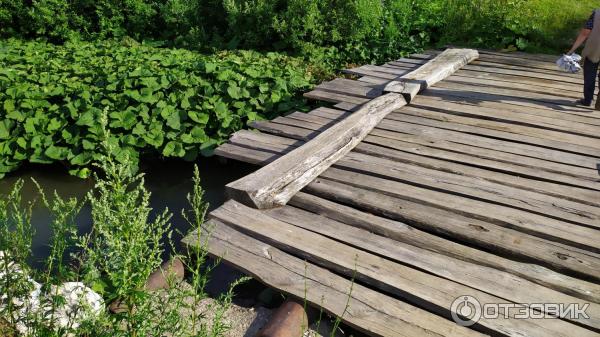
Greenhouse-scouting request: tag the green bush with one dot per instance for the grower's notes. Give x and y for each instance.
(543, 25)
(115, 259)
(333, 32)
(55, 100)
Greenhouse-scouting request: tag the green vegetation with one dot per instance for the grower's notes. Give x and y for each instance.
(115, 259)
(171, 102)
(537, 26)
(330, 30)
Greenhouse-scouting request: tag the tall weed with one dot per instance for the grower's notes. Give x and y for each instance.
(115, 259)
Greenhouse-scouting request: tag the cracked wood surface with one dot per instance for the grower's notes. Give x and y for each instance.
(487, 184)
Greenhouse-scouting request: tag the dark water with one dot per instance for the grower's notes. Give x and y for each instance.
(169, 181)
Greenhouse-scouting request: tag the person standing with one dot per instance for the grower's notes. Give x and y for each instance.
(590, 34)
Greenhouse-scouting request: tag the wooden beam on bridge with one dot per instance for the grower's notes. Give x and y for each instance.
(275, 184)
(432, 72)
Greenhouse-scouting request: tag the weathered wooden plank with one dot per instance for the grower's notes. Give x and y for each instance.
(573, 113)
(280, 145)
(535, 85)
(285, 130)
(534, 70)
(485, 147)
(507, 116)
(368, 71)
(263, 141)
(312, 118)
(527, 83)
(404, 233)
(587, 147)
(507, 58)
(535, 99)
(432, 72)
(472, 231)
(339, 114)
(534, 95)
(373, 80)
(276, 183)
(322, 288)
(527, 63)
(544, 227)
(531, 81)
(509, 61)
(309, 125)
(349, 87)
(499, 283)
(441, 149)
(556, 159)
(478, 66)
(525, 73)
(431, 291)
(427, 157)
(400, 136)
(453, 182)
(520, 55)
(479, 189)
(328, 96)
(244, 154)
(569, 94)
(347, 106)
(302, 123)
(418, 140)
(393, 71)
(500, 240)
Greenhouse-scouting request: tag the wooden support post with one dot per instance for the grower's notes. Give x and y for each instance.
(275, 184)
(444, 65)
(289, 320)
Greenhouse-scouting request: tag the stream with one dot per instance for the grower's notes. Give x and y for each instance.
(169, 181)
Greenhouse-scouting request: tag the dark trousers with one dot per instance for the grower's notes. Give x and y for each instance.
(590, 71)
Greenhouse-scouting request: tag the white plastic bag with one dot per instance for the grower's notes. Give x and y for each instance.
(569, 63)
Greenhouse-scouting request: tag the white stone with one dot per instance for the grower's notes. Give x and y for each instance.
(27, 305)
(80, 303)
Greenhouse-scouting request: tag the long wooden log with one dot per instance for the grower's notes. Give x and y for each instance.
(276, 183)
(432, 72)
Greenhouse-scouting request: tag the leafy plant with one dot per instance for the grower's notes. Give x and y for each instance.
(169, 102)
(115, 259)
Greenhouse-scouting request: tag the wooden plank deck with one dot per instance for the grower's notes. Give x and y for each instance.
(487, 185)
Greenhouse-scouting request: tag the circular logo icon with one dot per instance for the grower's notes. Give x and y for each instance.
(466, 310)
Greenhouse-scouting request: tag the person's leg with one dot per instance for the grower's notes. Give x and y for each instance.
(597, 106)
(590, 72)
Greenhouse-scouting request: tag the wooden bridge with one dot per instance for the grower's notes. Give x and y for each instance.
(483, 186)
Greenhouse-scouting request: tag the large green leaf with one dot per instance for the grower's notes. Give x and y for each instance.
(57, 152)
(4, 130)
(173, 149)
(58, 103)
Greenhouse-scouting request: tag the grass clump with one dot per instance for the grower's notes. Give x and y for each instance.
(115, 259)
